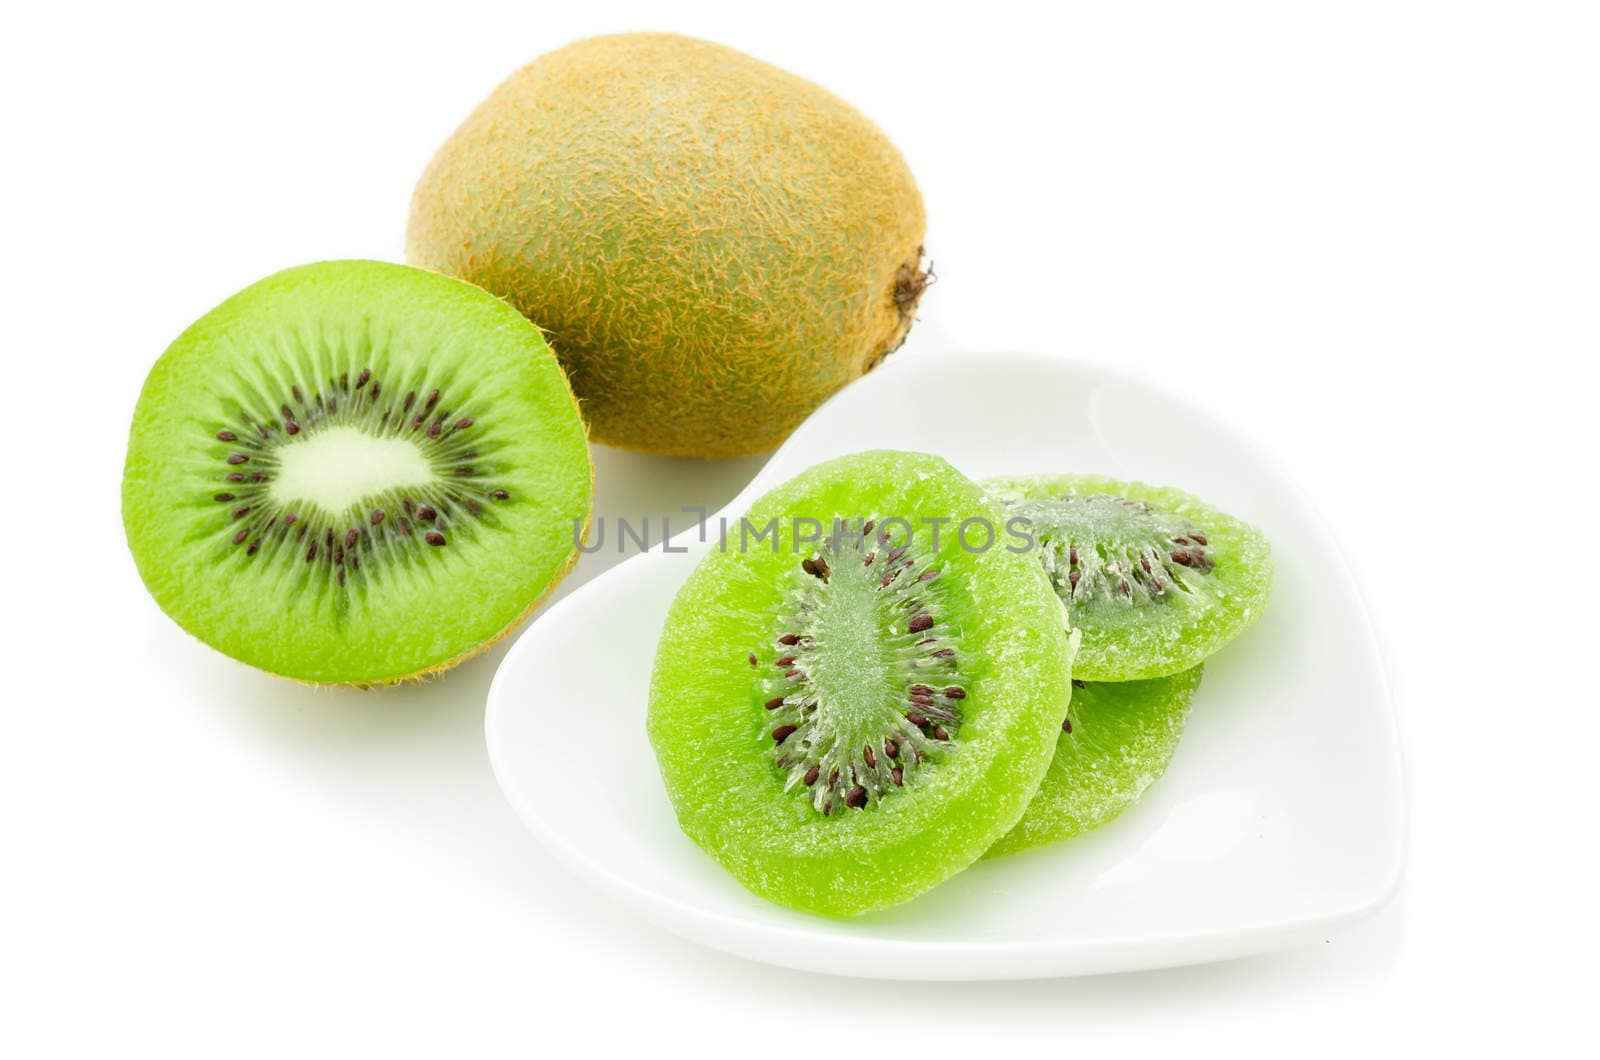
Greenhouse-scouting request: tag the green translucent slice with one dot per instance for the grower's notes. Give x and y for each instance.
(355, 472)
(844, 725)
(1156, 579)
(1123, 735)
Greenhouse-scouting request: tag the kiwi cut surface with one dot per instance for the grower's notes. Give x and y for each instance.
(1156, 579)
(845, 723)
(714, 245)
(1116, 742)
(355, 472)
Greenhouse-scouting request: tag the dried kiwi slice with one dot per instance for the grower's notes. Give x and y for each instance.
(1116, 742)
(355, 472)
(843, 724)
(1157, 580)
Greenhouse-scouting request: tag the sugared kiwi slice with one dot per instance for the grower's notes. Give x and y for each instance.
(845, 722)
(1156, 579)
(355, 472)
(1116, 742)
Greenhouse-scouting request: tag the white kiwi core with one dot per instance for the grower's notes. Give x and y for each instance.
(336, 468)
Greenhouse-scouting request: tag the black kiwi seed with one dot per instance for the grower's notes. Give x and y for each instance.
(835, 748)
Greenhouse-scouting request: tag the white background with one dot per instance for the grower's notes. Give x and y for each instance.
(1366, 234)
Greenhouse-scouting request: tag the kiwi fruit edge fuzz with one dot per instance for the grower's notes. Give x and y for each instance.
(355, 472)
(713, 245)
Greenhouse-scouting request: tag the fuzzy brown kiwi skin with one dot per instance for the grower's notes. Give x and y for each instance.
(911, 280)
(712, 315)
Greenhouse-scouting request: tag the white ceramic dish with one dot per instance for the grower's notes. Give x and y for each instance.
(1280, 820)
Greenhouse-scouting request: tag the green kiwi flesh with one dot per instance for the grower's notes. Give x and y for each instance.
(845, 724)
(1156, 579)
(1116, 742)
(355, 472)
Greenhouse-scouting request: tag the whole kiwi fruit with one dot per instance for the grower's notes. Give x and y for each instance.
(713, 245)
(355, 473)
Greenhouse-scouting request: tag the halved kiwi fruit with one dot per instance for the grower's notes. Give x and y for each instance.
(1116, 742)
(355, 472)
(1156, 579)
(843, 723)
